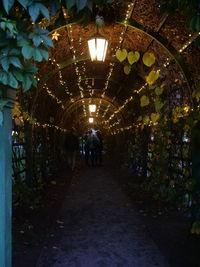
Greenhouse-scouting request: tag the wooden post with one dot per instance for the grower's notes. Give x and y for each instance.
(6, 186)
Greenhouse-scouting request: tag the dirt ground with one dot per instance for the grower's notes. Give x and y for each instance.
(165, 225)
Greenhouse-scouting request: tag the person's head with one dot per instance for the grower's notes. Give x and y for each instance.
(90, 132)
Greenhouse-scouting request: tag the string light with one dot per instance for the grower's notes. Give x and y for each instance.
(77, 69)
(121, 38)
(26, 116)
(105, 112)
(187, 43)
(59, 102)
(61, 81)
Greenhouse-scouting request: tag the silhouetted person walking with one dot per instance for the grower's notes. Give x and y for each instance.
(86, 148)
(93, 143)
(99, 148)
(71, 146)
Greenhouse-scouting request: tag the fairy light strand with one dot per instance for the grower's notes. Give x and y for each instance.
(121, 38)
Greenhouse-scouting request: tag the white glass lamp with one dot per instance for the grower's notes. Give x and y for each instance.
(92, 108)
(98, 47)
(91, 120)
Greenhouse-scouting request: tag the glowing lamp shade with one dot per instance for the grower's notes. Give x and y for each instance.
(91, 120)
(92, 108)
(98, 48)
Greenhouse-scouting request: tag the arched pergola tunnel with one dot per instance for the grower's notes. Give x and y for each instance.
(68, 82)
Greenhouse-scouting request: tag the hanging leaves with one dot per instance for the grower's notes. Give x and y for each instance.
(133, 57)
(144, 101)
(148, 59)
(127, 69)
(152, 77)
(121, 54)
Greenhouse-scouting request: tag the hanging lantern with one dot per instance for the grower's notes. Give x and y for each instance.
(92, 108)
(91, 120)
(98, 47)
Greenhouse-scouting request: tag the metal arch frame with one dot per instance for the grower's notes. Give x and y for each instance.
(72, 61)
(154, 35)
(165, 44)
(79, 100)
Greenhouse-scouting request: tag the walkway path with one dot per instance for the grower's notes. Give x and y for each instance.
(98, 227)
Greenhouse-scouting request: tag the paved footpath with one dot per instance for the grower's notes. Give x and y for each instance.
(98, 227)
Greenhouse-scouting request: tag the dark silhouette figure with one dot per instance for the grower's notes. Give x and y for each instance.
(86, 148)
(93, 144)
(100, 148)
(71, 146)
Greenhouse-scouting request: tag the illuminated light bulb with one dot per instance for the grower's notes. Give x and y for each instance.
(91, 120)
(98, 48)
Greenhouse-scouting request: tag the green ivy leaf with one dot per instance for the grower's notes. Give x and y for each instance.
(33, 80)
(25, 3)
(127, 69)
(4, 77)
(37, 54)
(133, 57)
(12, 80)
(34, 11)
(47, 41)
(18, 75)
(144, 101)
(36, 40)
(5, 63)
(44, 11)
(26, 84)
(121, 54)
(148, 59)
(27, 51)
(158, 104)
(159, 90)
(15, 62)
(8, 4)
(152, 77)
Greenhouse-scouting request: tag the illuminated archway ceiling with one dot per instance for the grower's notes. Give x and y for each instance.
(70, 75)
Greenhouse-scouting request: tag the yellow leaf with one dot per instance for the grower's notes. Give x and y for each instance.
(133, 57)
(152, 77)
(148, 59)
(121, 54)
(159, 90)
(127, 69)
(144, 101)
(146, 119)
(155, 117)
